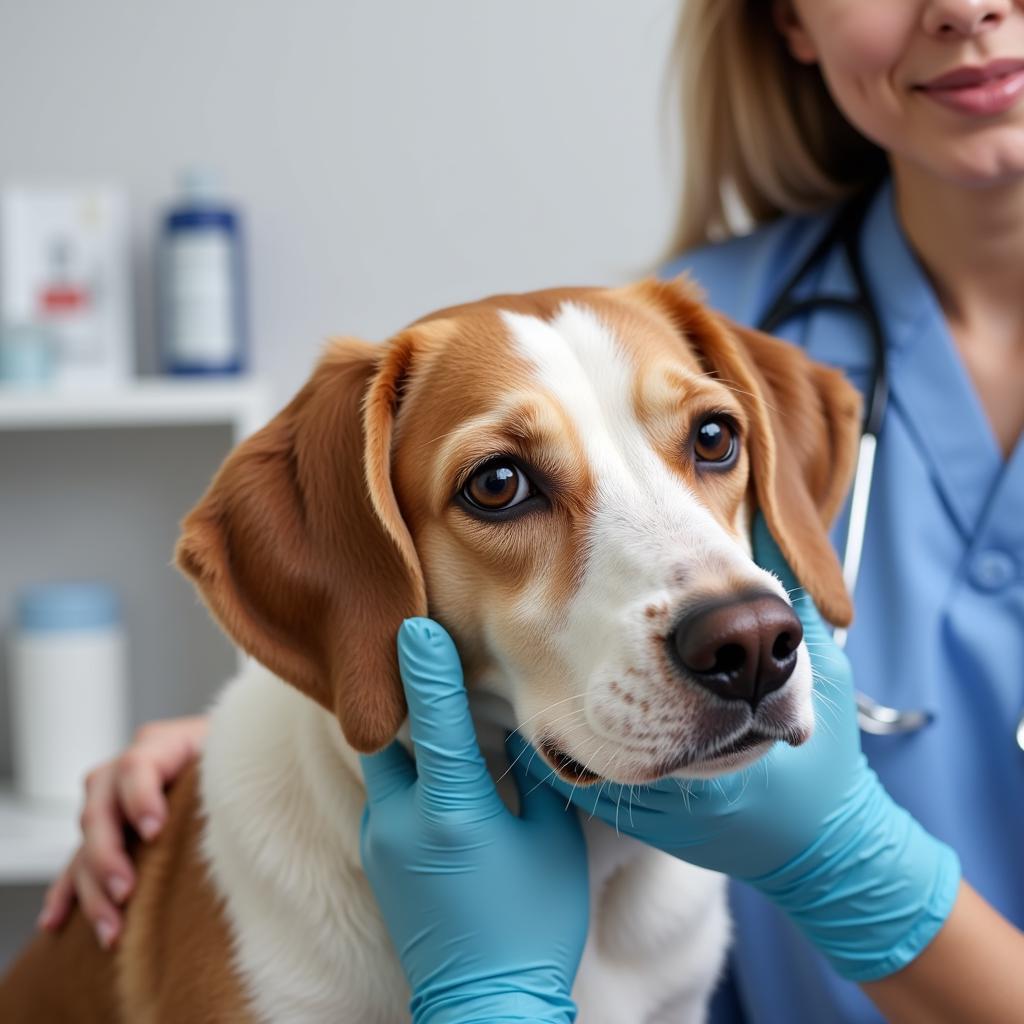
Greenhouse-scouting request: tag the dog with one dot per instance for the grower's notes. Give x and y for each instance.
(566, 480)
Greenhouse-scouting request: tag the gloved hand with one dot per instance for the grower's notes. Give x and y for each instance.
(488, 912)
(812, 828)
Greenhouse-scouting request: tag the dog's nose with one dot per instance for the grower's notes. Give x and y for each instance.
(740, 650)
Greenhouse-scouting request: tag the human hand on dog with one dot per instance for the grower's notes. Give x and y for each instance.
(125, 791)
(488, 911)
(809, 826)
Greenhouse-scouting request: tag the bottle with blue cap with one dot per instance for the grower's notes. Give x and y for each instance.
(68, 687)
(202, 301)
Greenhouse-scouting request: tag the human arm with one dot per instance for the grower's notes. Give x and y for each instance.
(970, 970)
(125, 791)
(973, 970)
(487, 910)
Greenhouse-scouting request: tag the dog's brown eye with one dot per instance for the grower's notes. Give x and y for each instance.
(498, 485)
(715, 441)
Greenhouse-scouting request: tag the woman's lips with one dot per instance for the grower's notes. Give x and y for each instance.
(987, 90)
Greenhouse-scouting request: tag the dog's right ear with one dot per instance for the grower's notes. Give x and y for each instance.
(300, 552)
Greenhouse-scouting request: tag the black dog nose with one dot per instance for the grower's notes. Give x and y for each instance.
(740, 650)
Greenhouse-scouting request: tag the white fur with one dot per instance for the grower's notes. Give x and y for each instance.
(283, 799)
(652, 543)
(284, 796)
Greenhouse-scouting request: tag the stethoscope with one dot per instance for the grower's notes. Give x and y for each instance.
(845, 231)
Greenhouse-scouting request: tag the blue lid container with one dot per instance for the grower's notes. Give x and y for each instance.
(58, 606)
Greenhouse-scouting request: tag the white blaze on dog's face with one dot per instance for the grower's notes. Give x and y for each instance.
(578, 488)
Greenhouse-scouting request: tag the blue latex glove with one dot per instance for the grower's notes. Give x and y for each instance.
(812, 828)
(488, 912)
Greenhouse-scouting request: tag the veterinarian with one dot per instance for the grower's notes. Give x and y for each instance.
(879, 147)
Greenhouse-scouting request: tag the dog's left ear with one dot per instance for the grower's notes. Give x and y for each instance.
(805, 421)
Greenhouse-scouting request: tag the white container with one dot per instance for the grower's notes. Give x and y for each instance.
(68, 686)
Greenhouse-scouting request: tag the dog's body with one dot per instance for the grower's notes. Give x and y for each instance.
(311, 944)
(527, 464)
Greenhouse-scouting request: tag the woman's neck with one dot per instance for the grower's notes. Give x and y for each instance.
(971, 243)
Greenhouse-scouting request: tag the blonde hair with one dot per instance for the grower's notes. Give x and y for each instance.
(760, 128)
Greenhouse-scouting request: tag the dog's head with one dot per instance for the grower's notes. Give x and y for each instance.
(566, 481)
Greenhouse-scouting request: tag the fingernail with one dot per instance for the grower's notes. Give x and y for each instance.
(105, 932)
(149, 825)
(118, 888)
(45, 918)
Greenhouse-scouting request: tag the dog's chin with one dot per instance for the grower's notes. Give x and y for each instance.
(725, 762)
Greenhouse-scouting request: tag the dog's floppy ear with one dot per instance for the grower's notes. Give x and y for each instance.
(803, 445)
(299, 550)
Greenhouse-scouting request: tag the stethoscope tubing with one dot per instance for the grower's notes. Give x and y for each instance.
(872, 717)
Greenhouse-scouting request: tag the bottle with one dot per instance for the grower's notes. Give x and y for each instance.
(202, 288)
(68, 687)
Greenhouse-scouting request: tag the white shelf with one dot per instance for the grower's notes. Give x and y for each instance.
(157, 401)
(35, 840)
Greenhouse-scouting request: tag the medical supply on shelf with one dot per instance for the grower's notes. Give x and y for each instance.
(65, 265)
(68, 685)
(27, 356)
(202, 304)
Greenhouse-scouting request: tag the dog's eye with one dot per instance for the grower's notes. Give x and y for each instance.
(498, 485)
(715, 441)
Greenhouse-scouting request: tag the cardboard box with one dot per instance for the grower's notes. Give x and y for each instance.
(65, 266)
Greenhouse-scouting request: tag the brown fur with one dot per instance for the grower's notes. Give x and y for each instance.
(806, 422)
(308, 547)
(174, 959)
(302, 563)
(172, 963)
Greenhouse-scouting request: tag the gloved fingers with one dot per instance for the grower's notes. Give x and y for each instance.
(768, 555)
(451, 768)
(389, 771)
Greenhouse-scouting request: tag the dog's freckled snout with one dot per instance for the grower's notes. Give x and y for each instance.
(742, 649)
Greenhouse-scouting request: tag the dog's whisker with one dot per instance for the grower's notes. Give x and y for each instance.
(554, 704)
(518, 729)
(732, 386)
(685, 792)
(586, 768)
(543, 782)
(597, 799)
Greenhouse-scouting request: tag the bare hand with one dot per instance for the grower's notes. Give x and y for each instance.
(129, 790)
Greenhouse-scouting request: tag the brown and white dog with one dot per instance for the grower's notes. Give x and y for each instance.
(564, 479)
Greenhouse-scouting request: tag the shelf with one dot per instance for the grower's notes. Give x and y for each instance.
(35, 840)
(145, 402)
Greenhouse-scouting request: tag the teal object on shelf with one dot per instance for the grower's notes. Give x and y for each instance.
(60, 606)
(27, 356)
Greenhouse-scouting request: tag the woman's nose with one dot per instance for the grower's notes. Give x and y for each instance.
(957, 18)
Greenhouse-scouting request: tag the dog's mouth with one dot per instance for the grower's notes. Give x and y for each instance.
(571, 770)
(567, 767)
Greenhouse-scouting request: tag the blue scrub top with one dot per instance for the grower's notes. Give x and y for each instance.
(940, 599)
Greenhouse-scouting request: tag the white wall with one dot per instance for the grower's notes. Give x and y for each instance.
(392, 156)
